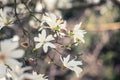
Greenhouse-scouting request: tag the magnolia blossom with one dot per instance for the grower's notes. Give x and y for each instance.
(54, 22)
(78, 34)
(4, 18)
(18, 73)
(39, 76)
(72, 64)
(44, 41)
(8, 55)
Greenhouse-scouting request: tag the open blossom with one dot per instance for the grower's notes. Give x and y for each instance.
(72, 64)
(4, 18)
(8, 55)
(44, 41)
(54, 22)
(78, 34)
(39, 76)
(18, 73)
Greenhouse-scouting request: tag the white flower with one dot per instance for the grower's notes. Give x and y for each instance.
(56, 24)
(78, 34)
(8, 55)
(53, 21)
(72, 64)
(44, 41)
(39, 76)
(18, 73)
(4, 18)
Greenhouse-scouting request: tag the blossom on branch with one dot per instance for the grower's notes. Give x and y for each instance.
(18, 73)
(54, 23)
(78, 34)
(44, 40)
(72, 64)
(8, 56)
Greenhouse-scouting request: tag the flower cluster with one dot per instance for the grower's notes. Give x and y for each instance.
(10, 68)
(50, 28)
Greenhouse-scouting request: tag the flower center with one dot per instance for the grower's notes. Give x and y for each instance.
(43, 41)
(64, 68)
(2, 57)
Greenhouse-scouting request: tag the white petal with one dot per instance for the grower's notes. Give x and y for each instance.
(17, 53)
(8, 45)
(2, 70)
(16, 38)
(38, 45)
(43, 34)
(39, 35)
(77, 26)
(67, 59)
(38, 7)
(26, 75)
(77, 70)
(45, 48)
(53, 17)
(12, 62)
(50, 45)
(49, 38)
(61, 58)
(36, 39)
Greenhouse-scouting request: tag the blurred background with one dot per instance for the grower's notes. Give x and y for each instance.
(101, 20)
